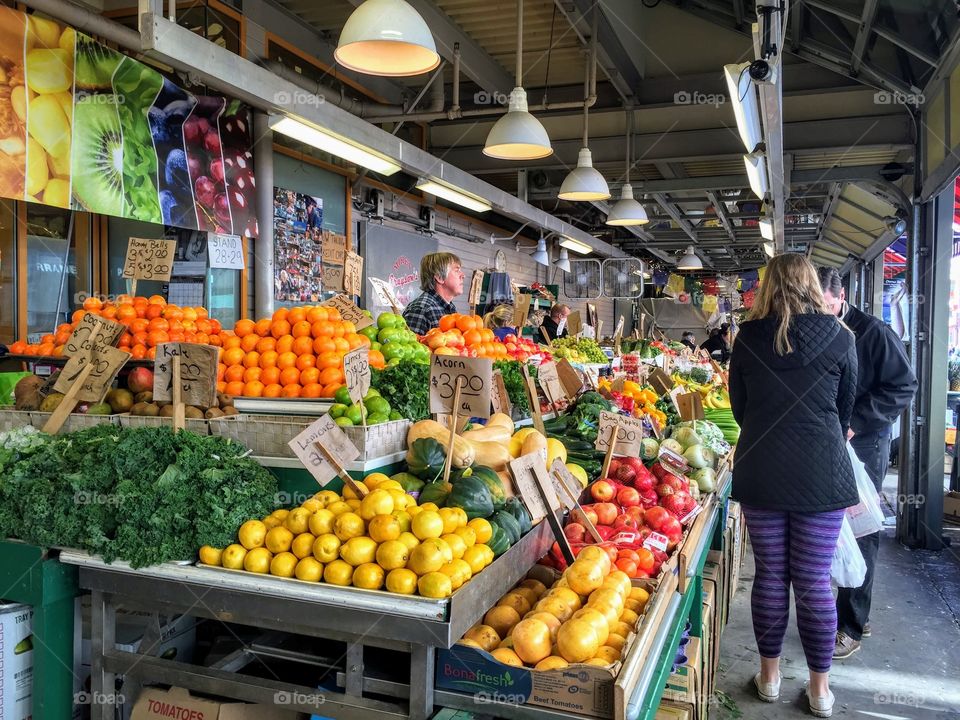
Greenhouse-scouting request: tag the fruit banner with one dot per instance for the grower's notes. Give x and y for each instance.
(85, 127)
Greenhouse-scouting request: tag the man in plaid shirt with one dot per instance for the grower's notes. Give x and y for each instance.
(441, 279)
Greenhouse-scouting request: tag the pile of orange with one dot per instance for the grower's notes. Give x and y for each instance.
(464, 335)
(296, 353)
(149, 322)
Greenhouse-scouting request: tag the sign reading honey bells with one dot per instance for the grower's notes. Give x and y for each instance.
(85, 127)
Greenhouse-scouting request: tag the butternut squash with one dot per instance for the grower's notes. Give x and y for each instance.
(502, 420)
(495, 455)
(495, 433)
(463, 450)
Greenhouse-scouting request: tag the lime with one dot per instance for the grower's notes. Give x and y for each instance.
(371, 393)
(394, 415)
(394, 350)
(342, 396)
(343, 421)
(377, 406)
(375, 345)
(393, 361)
(376, 418)
(354, 414)
(337, 410)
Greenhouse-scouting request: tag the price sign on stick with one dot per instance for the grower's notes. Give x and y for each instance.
(356, 367)
(521, 309)
(629, 434)
(524, 470)
(574, 323)
(568, 489)
(149, 259)
(198, 373)
(325, 450)
(569, 378)
(534, 399)
(106, 361)
(333, 251)
(499, 397)
(332, 278)
(225, 251)
(349, 311)
(353, 274)
(84, 337)
(383, 292)
(550, 381)
(475, 379)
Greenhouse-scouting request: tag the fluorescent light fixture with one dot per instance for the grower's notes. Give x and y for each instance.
(540, 254)
(627, 211)
(388, 38)
(756, 165)
(460, 197)
(584, 183)
(769, 249)
(333, 144)
(746, 110)
(518, 135)
(578, 247)
(766, 228)
(564, 262)
(690, 261)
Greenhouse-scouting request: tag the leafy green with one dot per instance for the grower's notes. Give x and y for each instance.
(515, 384)
(406, 386)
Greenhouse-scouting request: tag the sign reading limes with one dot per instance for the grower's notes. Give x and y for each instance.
(356, 368)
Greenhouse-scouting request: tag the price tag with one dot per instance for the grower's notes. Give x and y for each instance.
(660, 381)
(384, 293)
(336, 442)
(569, 378)
(574, 323)
(349, 311)
(106, 361)
(619, 381)
(475, 376)
(81, 342)
(629, 434)
(527, 470)
(521, 309)
(656, 541)
(198, 373)
(356, 368)
(149, 259)
(550, 381)
(498, 394)
(225, 251)
(690, 406)
(334, 250)
(332, 278)
(353, 274)
(476, 287)
(565, 485)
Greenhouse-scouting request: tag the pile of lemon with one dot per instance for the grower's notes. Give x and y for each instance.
(384, 540)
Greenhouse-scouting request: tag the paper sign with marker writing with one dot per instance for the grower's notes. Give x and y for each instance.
(474, 374)
(525, 470)
(569, 378)
(561, 478)
(106, 361)
(353, 274)
(332, 278)
(349, 311)
(356, 368)
(327, 433)
(198, 373)
(149, 259)
(521, 309)
(334, 250)
(550, 381)
(574, 323)
(498, 394)
(656, 541)
(383, 292)
(629, 434)
(81, 342)
(225, 251)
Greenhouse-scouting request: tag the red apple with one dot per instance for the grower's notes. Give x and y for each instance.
(606, 513)
(636, 512)
(625, 522)
(664, 489)
(628, 497)
(140, 379)
(591, 515)
(575, 532)
(605, 531)
(672, 529)
(603, 491)
(655, 517)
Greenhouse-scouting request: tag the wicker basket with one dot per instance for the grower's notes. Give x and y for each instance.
(269, 435)
(11, 419)
(201, 427)
(75, 421)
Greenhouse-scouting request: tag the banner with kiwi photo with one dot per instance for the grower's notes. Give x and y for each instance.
(83, 126)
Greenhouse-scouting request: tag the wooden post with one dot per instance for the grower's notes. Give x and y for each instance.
(453, 429)
(359, 490)
(581, 515)
(562, 541)
(611, 444)
(60, 414)
(179, 421)
(543, 332)
(534, 401)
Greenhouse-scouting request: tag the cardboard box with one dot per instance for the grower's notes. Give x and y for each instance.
(710, 642)
(674, 711)
(16, 661)
(155, 704)
(951, 507)
(683, 685)
(580, 689)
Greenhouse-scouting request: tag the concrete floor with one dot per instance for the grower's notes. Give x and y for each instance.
(908, 669)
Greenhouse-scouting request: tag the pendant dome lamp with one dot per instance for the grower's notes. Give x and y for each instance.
(690, 261)
(387, 38)
(627, 211)
(518, 135)
(541, 255)
(564, 260)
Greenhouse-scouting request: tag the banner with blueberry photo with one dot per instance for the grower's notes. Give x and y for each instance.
(83, 126)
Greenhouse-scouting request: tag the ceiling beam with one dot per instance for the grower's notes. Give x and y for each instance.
(863, 34)
(796, 24)
(674, 212)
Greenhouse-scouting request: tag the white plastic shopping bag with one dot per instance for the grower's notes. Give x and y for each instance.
(866, 517)
(848, 568)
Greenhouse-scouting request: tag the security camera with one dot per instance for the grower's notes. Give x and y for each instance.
(763, 72)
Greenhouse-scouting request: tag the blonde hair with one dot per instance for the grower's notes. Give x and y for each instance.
(500, 316)
(436, 265)
(790, 287)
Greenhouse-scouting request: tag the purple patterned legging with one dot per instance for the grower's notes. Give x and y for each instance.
(794, 548)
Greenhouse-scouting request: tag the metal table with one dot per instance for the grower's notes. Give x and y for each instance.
(359, 618)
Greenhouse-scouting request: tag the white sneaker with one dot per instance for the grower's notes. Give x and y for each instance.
(822, 707)
(768, 692)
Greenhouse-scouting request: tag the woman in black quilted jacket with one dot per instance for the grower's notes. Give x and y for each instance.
(793, 377)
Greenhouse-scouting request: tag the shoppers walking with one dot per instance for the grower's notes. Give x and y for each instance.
(885, 386)
(792, 382)
(441, 279)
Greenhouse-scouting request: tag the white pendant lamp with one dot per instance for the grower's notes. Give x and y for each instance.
(690, 261)
(388, 38)
(627, 211)
(540, 254)
(584, 183)
(518, 135)
(564, 262)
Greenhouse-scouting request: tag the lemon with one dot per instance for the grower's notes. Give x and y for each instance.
(555, 449)
(283, 564)
(403, 517)
(309, 569)
(435, 585)
(409, 539)
(302, 545)
(338, 572)
(412, 510)
(339, 507)
(359, 550)
(390, 485)
(257, 560)
(425, 558)
(454, 573)
(522, 433)
(427, 524)
(373, 480)
(392, 554)
(369, 576)
(579, 473)
(461, 517)
(378, 502)
(297, 521)
(515, 446)
(210, 555)
(232, 556)
(348, 493)
(280, 514)
(465, 570)
(349, 525)
(457, 546)
(402, 581)
(487, 554)
(476, 558)
(327, 497)
(321, 522)
(326, 548)
(311, 505)
(278, 539)
(468, 535)
(451, 520)
(429, 506)
(354, 504)
(401, 500)
(384, 527)
(252, 534)
(271, 522)
(444, 548)
(482, 529)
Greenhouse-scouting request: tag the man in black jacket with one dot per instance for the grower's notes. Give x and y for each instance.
(885, 386)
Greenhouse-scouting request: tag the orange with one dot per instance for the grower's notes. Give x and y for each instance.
(289, 376)
(300, 329)
(249, 342)
(139, 325)
(343, 347)
(76, 317)
(126, 313)
(297, 314)
(221, 369)
(303, 345)
(290, 391)
(322, 328)
(235, 388)
(472, 337)
(270, 375)
(46, 349)
(329, 360)
(280, 314)
(285, 343)
(306, 361)
(92, 303)
(262, 327)
(153, 311)
(348, 327)
(465, 323)
(151, 354)
(138, 351)
(253, 388)
(308, 375)
(315, 314)
(251, 374)
(126, 340)
(251, 359)
(268, 358)
(448, 322)
(354, 340)
(323, 345)
(339, 330)
(230, 341)
(312, 390)
(242, 327)
(215, 340)
(286, 360)
(377, 360)
(272, 390)
(157, 337)
(330, 390)
(328, 376)
(158, 323)
(280, 328)
(266, 344)
(172, 312)
(233, 356)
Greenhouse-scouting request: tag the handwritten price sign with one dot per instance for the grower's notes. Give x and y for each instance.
(83, 338)
(353, 274)
(384, 295)
(349, 311)
(356, 367)
(225, 251)
(333, 439)
(629, 434)
(333, 250)
(332, 278)
(149, 259)
(474, 376)
(198, 373)
(106, 361)
(550, 381)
